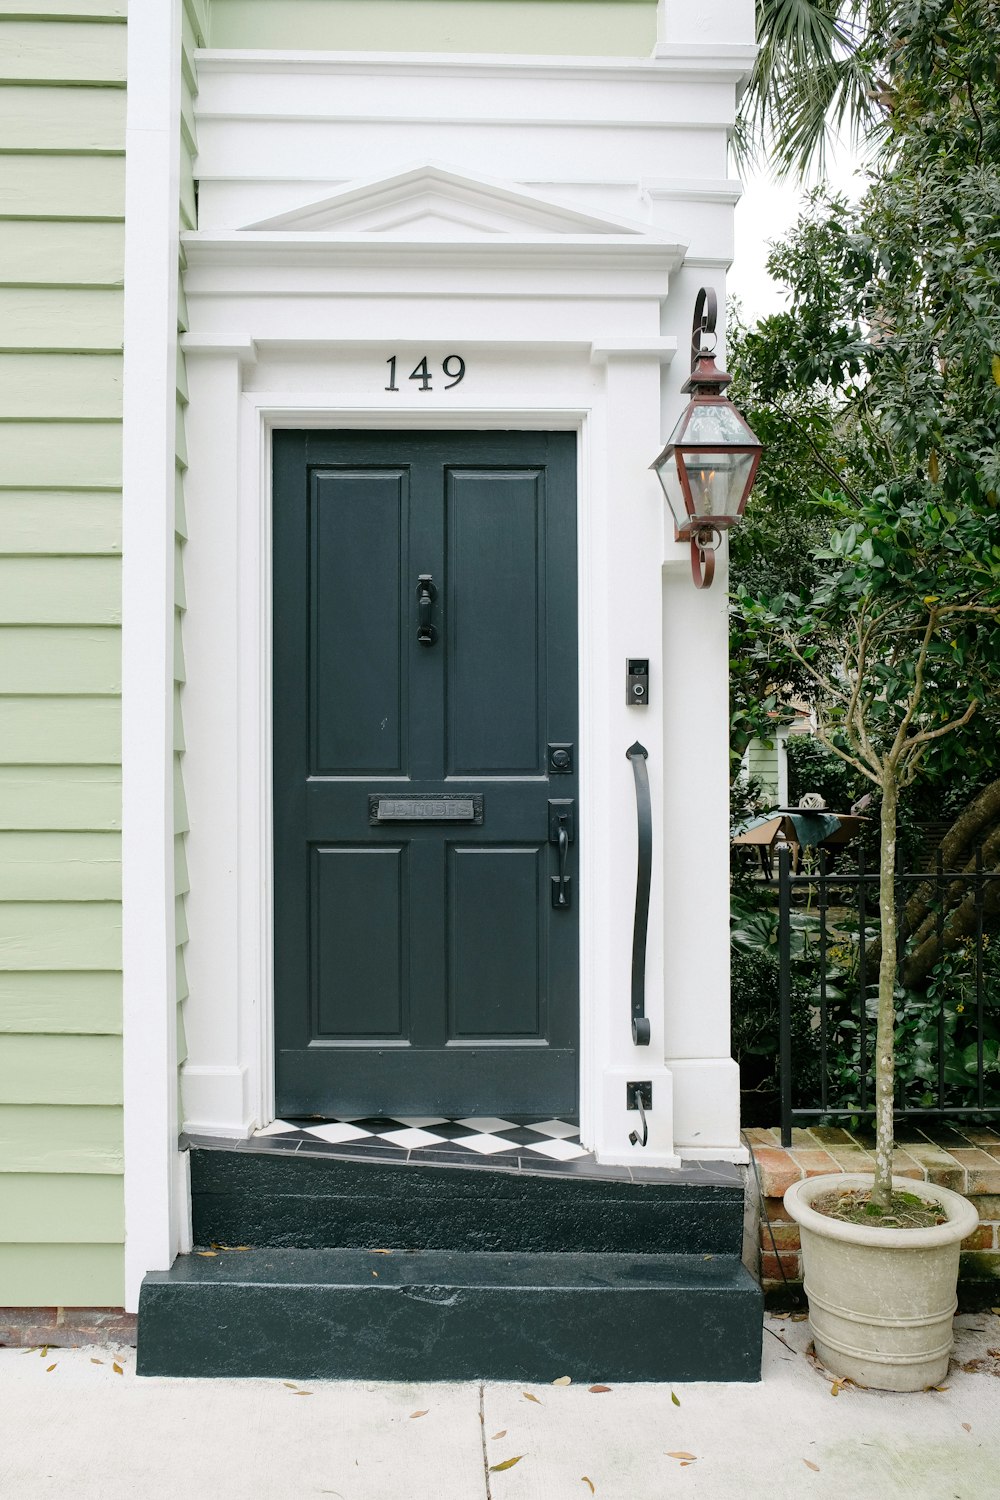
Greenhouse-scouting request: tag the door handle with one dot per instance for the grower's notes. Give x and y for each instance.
(426, 594)
(638, 754)
(561, 833)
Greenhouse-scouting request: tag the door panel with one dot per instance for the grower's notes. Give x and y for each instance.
(420, 966)
(358, 522)
(360, 945)
(495, 650)
(495, 949)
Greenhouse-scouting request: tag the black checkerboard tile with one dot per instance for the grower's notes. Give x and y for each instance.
(556, 1140)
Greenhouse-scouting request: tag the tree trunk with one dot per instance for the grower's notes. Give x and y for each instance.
(885, 1081)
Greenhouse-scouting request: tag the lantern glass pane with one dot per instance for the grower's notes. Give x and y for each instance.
(718, 481)
(716, 423)
(667, 473)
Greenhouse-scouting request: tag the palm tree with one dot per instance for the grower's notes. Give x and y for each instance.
(821, 67)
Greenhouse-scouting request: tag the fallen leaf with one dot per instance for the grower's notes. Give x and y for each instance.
(687, 1463)
(117, 1367)
(687, 1457)
(563, 1380)
(585, 1479)
(529, 1397)
(598, 1390)
(836, 1388)
(995, 1310)
(43, 1353)
(235, 1247)
(375, 1274)
(206, 1253)
(798, 1317)
(302, 1393)
(781, 1315)
(967, 1426)
(508, 1463)
(381, 1252)
(419, 1413)
(810, 1465)
(32, 1350)
(94, 1361)
(50, 1368)
(939, 1387)
(290, 1384)
(673, 1397)
(707, 1257)
(500, 1434)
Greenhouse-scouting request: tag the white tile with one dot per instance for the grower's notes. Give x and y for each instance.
(557, 1129)
(421, 1121)
(411, 1138)
(277, 1127)
(558, 1150)
(338, 1132)
(485, 1145)
(487, 1126)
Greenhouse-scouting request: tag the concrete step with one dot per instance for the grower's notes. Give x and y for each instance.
(243, 1197)
(301, 1314)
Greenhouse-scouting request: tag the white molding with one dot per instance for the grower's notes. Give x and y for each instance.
(152, 194)
(728, 191)
(661, 349)
(499, 251)
(690, 62)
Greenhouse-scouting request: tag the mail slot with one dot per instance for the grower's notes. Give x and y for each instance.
(435, 808)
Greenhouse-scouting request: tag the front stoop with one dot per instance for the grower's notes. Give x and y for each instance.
(451, 1315)
(385, 1271)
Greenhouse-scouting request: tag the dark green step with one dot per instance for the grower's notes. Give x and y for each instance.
(242, 1197)
(451, 1315)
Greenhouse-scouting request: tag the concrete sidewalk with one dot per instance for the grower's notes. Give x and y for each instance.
(72, 1428)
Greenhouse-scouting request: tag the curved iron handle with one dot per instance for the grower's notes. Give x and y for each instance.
(638, 755)
(426, 594)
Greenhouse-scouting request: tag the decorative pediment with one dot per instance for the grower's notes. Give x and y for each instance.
(431, 203)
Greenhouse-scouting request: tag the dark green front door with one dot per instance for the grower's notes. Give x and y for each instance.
(422, 966)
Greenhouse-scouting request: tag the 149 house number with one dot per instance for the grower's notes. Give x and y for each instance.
(452, 368)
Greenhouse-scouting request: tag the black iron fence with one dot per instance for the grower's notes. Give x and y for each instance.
(947, 992)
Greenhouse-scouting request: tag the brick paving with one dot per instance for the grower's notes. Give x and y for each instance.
(964, 1158)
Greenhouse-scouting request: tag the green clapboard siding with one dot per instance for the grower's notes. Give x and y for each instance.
(36, 319)
(62, 172)
(52, 119)
(60, 522)
(53, 1208)
(61, 1070)
(577, 27)
(59, 454)
(60, 590)
(96, 10)
(56, 51)
(47, 660)
(48, 253)
(61, 1002)
(60, 731)
(62, 1276)
(62, 187)
(70, 386)
(60, 935)
(60, 866)
(61, 1138)
(61, 797)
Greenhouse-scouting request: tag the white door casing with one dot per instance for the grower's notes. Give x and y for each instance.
(567, 302)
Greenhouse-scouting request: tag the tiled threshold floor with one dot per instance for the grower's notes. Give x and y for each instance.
(502, 1145)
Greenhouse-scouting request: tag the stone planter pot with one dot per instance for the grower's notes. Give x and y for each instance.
(881, 1301)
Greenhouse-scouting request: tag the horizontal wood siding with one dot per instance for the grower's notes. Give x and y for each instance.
(62, 172)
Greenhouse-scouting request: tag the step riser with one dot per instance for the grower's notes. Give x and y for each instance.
(442, 1333)
(245, 1199)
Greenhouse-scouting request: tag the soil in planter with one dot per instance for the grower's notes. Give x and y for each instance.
(906, 1210)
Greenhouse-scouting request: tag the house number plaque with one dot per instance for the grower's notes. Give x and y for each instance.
(452, 368)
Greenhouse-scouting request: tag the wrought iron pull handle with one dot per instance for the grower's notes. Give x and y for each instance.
(426, 594)
(561, 833)
(638, 755)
